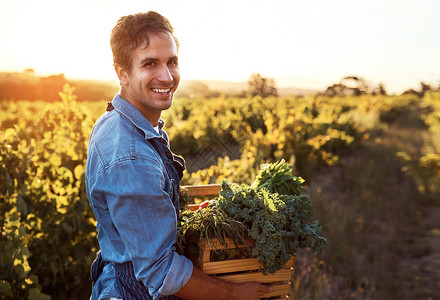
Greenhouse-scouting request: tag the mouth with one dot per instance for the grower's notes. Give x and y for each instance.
(162, 91)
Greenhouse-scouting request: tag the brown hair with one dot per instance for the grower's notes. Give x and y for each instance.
(132, 30)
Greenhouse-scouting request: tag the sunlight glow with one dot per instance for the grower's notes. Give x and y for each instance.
(308, 44)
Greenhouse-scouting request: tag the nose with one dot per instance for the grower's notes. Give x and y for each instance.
(165, 74)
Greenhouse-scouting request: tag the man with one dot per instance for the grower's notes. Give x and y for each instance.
(132, 178)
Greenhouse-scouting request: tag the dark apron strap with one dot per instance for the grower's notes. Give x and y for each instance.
(174, 165)
(97, 267)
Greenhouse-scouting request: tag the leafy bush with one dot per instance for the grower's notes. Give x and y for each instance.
(49, 237)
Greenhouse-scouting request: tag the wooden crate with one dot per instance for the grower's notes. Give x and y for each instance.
(239, 270)
(200, 190)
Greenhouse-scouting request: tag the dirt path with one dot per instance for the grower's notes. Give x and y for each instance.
(388, 238)
(419, 260)
(420, 264)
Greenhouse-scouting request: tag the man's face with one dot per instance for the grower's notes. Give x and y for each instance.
(153, 78)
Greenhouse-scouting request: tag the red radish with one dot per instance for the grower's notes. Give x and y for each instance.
(204, 204)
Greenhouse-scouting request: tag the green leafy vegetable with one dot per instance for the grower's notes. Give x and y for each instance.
(208, 223)
(272, 212)
(277, 223)
(278, 178)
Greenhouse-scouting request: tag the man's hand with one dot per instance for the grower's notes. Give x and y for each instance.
(201, 287)
(250, 290)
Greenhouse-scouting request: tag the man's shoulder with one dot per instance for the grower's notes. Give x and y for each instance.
(109, 124)
(115, 138)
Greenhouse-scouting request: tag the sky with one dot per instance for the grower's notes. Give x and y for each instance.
(300, 43)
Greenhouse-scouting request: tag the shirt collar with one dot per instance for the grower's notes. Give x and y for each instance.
(136, 117)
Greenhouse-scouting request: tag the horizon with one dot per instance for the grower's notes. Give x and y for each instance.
(301, 45)
(217, 83)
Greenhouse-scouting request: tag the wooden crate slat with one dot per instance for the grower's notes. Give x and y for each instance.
(237, 265)
(281, 275)
(215, 244)
(228, 266)
(278, 290)
(203, 190)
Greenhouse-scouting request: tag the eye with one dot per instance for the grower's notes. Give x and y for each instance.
(173, 62)
(149, 64)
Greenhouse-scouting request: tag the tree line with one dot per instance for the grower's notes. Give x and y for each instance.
(28, 86)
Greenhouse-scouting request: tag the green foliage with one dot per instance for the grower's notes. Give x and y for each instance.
(394, 109)
(48, 234)
(208, 223)
(239, 134)
(48, 238)
(424, 168)
(278, 178)
(432, 120)
(278, 222)
(425, 171)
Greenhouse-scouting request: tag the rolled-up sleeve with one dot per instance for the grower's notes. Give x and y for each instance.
(145, 218)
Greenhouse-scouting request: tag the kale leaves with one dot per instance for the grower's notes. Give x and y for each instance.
(272, 212)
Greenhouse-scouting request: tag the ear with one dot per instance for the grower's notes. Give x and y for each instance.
(122, 74)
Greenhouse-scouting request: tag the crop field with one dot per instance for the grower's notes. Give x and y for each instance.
(371, 166)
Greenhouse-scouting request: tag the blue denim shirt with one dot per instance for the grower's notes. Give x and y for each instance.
(130, 195)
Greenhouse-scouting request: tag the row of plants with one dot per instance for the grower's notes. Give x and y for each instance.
(424, 167)
(244, 133)
(48, 234)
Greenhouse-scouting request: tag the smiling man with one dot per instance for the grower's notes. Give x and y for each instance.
(151, 79)
(133, 179)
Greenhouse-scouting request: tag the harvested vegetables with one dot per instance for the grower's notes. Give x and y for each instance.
(208, 223)
(272, 212)
(278, 178)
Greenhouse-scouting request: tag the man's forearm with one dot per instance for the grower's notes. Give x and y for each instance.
(200, 285)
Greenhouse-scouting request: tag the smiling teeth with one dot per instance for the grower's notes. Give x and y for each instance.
(161, 90)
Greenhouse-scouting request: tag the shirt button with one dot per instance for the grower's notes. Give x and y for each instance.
(168, 154)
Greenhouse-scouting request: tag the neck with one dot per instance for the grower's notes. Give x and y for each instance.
(152, 116)
(154, 122)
